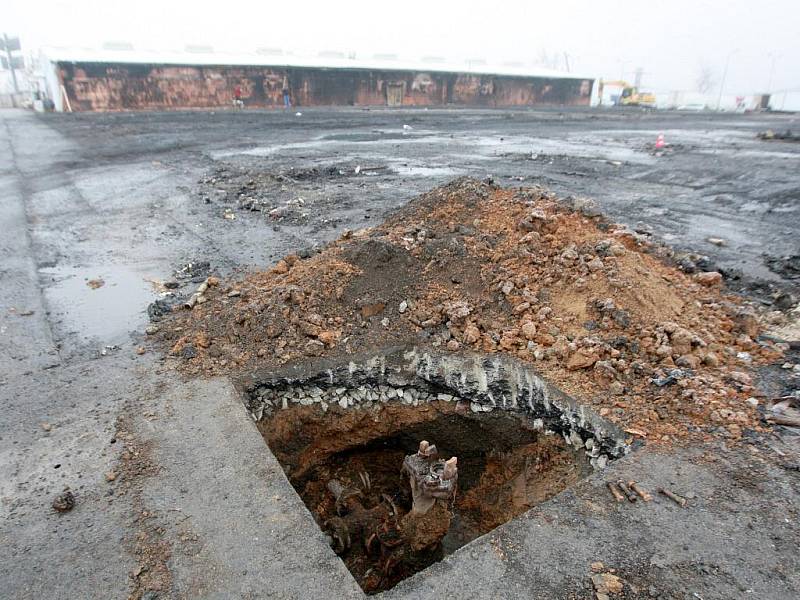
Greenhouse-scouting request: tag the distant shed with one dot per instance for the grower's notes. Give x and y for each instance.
(111, 81)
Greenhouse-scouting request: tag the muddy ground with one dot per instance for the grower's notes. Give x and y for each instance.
(181, 498)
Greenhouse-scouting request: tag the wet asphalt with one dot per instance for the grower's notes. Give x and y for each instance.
(125, 199)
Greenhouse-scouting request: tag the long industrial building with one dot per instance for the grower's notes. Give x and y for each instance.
(86, 80)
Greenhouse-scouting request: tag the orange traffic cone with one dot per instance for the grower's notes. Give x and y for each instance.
(660, 143)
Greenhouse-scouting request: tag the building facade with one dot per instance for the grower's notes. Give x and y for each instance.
(87, 85)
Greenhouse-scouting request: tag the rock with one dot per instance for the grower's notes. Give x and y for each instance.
(528, 330)
(532, 237)
(521, 307)
(151, 329)
(47, 426)
(709, 279)
(328, 337)
(457, 311)
(735, 430)
(717, 241)
(64, 502)
(111, 476)
(595, 265)
(453, 345)
(507, 287)
(509, 339)
(533, 221)
(689, 361)
(188, 351)
(370, 310)
(664, 350)
(545, 339)
(616, 388)
(711, 359)
(607, 583)
(281, 267)
(158, 309)
(570, 253)
(234, 294)
(597, 567)
(746, 321)
(741, 377)
(471, 334)
(681, 341)
(140, 350)
(582, 358)
(403, 307)
(315, 319)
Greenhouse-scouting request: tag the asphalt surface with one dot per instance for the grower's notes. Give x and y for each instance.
(130, 198)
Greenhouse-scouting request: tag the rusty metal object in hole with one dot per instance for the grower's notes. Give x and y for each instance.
(431, 479)
(627, 491)
(674, 497)
(612, 487)
(643, 494)
(388, 536)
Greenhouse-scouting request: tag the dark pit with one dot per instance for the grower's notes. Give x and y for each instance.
(505, 467)
(348, 436)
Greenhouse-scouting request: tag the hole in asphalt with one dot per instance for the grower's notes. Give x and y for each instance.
(358, 451)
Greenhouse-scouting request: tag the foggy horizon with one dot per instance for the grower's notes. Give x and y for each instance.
(673, 42)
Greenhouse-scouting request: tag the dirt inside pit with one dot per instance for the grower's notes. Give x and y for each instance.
(505, 466)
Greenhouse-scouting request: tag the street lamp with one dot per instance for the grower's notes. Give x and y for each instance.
(724, 75)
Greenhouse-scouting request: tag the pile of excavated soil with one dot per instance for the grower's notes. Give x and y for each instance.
(471, 267)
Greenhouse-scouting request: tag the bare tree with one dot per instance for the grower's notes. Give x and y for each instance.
(705, 79)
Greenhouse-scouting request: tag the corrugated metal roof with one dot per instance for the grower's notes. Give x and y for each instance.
(329, 61)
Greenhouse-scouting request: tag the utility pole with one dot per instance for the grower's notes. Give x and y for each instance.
(724, 76)
(10, 45)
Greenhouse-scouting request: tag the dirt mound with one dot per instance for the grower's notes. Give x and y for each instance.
(473, 267)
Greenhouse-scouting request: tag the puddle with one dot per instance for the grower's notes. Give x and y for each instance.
(410, 170)
(324, 144)
(575, 146)
(106, 302)
(354, 441)
(371, 136)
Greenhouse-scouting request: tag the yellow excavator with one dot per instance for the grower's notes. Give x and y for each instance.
(630, 95)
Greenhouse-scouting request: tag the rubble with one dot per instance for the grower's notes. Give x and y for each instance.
(472, 267)
(64, 502)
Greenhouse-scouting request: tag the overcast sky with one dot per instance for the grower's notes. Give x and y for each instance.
(669, 39)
